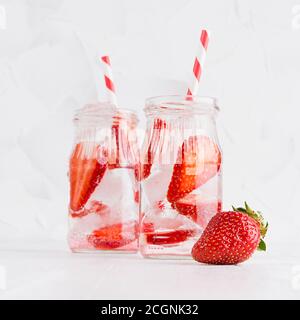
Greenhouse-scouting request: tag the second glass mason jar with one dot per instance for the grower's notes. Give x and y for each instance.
(104, 191)
(180, 174)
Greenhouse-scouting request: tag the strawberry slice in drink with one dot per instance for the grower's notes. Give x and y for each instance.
(197, 208)
(199, 159)
(136, 196)
(118, 142)
(114, 236)
(85, 174)
(123, 151)
(98, 207)
(168, 237)
(143, 171)
(166, 231)
(114, 159)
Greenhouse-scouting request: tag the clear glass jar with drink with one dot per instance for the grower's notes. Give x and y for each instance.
(104, 191)
(180, 174)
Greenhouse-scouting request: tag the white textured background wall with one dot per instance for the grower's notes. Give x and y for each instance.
(48, 68)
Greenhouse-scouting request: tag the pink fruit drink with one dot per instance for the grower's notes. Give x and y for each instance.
(180, 174)
(104, 192)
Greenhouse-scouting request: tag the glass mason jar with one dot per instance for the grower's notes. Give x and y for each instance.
(104, 191)
(180, 174)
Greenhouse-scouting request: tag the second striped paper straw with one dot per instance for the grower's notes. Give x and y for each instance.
(199, 63)
(108, 78)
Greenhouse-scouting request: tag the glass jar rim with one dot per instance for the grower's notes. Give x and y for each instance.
(181, 104)
(92, 114)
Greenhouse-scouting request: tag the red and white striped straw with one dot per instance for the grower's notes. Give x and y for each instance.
(199, 62)
(108, 78)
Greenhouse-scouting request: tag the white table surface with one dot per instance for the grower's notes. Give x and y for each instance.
(49, 271)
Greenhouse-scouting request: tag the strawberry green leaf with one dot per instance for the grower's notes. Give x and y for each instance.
(247, 207)
(262, 246)
(239, 209)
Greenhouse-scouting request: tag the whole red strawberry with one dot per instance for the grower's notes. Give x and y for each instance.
(231, 237)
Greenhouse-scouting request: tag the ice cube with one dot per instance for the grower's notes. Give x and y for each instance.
(115, 189)
(173, 221)
(212, 189)
(155, 187)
